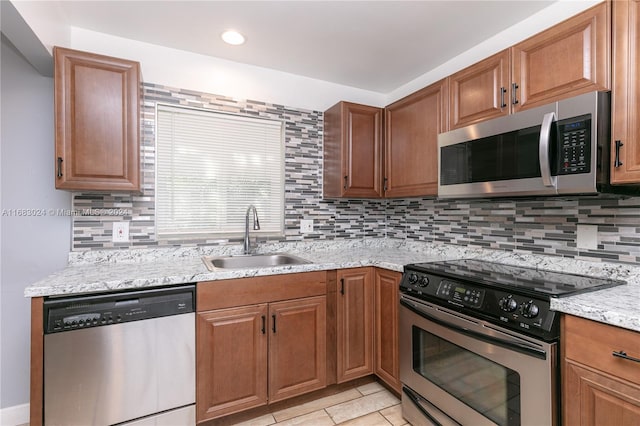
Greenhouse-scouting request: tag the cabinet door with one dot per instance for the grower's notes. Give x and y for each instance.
(231, 360)
(353, 151)
(297, 352)
(480, 92)
(626, 92)
(411, 144)
(386, 327)
(354, 323)
(96, 114)
(568, 59)
(598, 387)
(594, 399)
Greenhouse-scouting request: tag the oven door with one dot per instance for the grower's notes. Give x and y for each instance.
(457, 369)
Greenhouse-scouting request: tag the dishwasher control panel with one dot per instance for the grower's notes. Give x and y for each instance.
(78, 312)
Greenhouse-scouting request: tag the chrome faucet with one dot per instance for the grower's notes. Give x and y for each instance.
(246, 248)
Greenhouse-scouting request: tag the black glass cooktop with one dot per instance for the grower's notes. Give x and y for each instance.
(530, 280)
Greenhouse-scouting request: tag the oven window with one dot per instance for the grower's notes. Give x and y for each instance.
(489, 388)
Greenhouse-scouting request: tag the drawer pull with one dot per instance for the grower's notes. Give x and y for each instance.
(623, 354)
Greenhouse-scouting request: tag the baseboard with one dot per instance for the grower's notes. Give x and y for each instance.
(14, 416)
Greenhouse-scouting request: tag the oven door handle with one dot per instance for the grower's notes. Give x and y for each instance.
(418, 402)
(518, 347)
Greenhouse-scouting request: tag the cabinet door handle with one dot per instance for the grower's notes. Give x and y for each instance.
(59, 172)
(264, 322)
(385, 187)
(514, 96)
(503, 91)
(273, 324)
(342, 286)
(617, 162)
(345, 181)
(623, 355)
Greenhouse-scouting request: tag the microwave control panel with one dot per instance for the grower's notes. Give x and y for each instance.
(574, 145)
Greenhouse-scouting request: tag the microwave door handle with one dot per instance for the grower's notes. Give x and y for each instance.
(545, 141)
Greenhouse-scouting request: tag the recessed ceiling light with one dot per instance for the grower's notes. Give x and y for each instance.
(232, 37)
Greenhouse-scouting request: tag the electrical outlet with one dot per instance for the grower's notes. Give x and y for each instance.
(587, 237)
(306, 226)
(120, 232)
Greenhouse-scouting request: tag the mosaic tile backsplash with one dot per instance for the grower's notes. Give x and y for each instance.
(544, 225)
(541, 225)
(303, 182)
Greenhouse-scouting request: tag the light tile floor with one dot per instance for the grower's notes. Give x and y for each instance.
(367, 405)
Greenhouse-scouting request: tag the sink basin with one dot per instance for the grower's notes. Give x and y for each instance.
(214, 263)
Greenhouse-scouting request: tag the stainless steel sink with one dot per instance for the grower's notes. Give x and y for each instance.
(214, 263)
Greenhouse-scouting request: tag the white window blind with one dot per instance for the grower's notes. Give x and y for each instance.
(211, 166)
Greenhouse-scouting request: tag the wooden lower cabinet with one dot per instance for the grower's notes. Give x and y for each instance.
(259, 354)
(354, 323)
(273, 348)
(231, 369)
(599, 399)
(599, 389)
(386, 362)
(297, 347)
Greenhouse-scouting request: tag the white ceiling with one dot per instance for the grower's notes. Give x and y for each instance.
(372, 45)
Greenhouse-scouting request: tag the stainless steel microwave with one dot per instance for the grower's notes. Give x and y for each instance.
(556, 149)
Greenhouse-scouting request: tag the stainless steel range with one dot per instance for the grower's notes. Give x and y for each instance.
(479, 343)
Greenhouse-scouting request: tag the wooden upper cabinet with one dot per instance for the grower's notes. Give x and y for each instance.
(97, 111)
(568, 59)
(412, 125)
(626, 92)
(353, 151)
(480, 92)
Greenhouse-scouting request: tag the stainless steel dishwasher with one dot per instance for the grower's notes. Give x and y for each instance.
(124, 357)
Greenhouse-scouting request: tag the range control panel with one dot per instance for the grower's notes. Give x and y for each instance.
(509, 309)
(575, 145)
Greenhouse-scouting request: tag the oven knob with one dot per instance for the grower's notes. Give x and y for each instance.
(424, 281)
(413, 278)
(508, 304)
(529, 309)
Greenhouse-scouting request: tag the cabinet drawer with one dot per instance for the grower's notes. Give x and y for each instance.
(250, 291)
(592, 344)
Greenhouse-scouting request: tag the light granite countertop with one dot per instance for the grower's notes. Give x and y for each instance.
(109, 270)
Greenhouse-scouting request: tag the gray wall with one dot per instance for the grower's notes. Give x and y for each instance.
(31, 246)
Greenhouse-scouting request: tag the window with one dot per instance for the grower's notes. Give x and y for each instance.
(211, 166)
